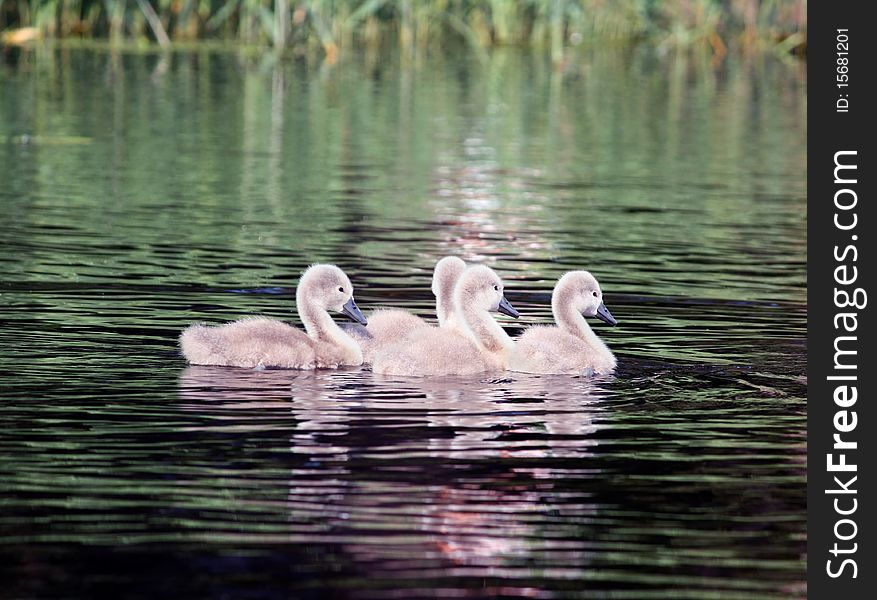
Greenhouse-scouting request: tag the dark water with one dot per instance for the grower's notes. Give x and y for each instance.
(141, 193)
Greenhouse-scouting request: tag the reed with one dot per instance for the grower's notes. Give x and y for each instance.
(416, 26)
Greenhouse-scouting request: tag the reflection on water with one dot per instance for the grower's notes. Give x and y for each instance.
(471, 419)
(350, 422)
(144, 192)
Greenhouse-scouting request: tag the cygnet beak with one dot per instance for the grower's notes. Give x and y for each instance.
(351, 310)
(604, 315)
(506, 308)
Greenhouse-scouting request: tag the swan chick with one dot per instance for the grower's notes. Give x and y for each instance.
(570, 347)
(476, 345)
(390, 326)
(444, 280)
(255, 342)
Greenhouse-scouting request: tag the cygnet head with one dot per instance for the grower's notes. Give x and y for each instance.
(481, 288)
(328, 288)
(580, 290)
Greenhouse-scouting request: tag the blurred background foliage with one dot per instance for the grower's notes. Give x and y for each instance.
(331, 27)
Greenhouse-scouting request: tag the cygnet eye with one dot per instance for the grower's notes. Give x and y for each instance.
(595, 294)
(496, 287)
(341, 289)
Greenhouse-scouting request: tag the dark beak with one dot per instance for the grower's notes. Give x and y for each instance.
(352, 310)
(507, 309)
(604, 315)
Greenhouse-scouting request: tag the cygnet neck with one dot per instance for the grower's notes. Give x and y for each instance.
(444, 303)
(321, 327)
(485, 330)
(571, 320)
(447, 272)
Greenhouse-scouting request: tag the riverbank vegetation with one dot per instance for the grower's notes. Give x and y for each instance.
(333, 27)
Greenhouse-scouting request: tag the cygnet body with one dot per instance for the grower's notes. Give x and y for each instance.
(390, 326)
(262, 342)
(570, 347)
(472, 343)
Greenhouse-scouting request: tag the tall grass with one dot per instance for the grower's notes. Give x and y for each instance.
(337, 26)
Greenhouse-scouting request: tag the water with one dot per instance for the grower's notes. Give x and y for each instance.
(143, 192)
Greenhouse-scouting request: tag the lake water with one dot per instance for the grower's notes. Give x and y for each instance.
(141, 192)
